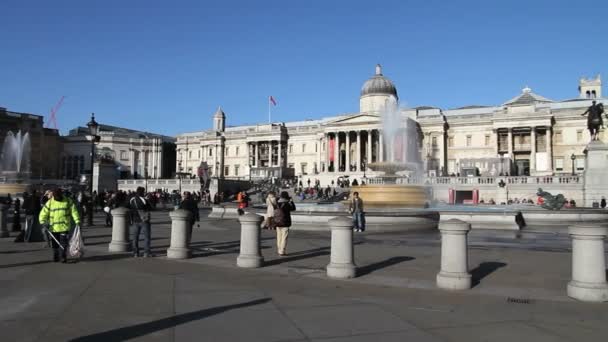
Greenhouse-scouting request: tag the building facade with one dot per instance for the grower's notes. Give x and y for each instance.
(136, 154)
(528, 135)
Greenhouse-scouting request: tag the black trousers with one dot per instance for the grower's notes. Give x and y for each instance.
(64, 240)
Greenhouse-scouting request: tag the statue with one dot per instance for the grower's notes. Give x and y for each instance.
(594, 119)
(551, 202)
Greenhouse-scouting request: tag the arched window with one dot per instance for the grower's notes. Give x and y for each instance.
(588, 94)
(593, 94)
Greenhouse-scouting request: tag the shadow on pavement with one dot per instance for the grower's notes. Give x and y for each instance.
(103, 257)
(22, 251)
(134, 331)
(364, 270)
(483, 270)
(31, 263)
(298, 256)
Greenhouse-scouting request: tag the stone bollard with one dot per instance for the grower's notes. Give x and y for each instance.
(3, 217)
(250, 255)
(454, 273)
(179, 248)
(341, 264)
(588, 263)
(120, 231)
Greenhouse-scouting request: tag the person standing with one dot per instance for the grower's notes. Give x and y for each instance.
(59, 214)
(356, 209)
(282, 221)
(603, 202)
(140, 220)
(191, 206)
(271, 204)
(31, 204)
(17, 215)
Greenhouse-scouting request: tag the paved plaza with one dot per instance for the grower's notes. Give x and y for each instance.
(519, 291)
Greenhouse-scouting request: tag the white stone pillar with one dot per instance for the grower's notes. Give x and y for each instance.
(549, 135)
(336, 152)
(342, 257)
(588, 263)
(358, 152)
(279, 151)
(368, 158)
(532, 150)
(380, 146)
(454, 273)
(510, 148)
(120, 231)
(347, 162)
(180, 231)
(250, 256)
(319, 153)
(256, 154)
(3, 217)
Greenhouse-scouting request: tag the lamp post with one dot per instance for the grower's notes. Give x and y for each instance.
(179, 175)
(146, 177)
(93, 130)
(573, 158)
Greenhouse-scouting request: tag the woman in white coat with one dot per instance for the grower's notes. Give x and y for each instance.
(271, 204)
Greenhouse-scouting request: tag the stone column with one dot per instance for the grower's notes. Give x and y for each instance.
(533, 150)
(336, 151)
(342, 257)
(347, 163)
(358, 152)
(120, 231)
(250, 256)
(180, 232)
(588, 263)
(319, 153)
(381, 146)
(3, 217)
(510, 145)
(454, 273)
(256, 154)
(549, 139)
(279, 151)
(368, 158)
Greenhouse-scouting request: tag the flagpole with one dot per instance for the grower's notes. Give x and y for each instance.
(269, 121)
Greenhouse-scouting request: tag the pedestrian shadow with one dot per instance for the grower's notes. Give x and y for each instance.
(364, 270)
(138, 330)
(98, 236)
(483, 270)
(102, 257)
(311, 253)
(21, 251)
(31, 263)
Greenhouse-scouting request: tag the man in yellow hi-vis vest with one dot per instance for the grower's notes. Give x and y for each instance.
(59, 214)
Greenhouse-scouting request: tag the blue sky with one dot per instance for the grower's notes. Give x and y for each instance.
(165, 66)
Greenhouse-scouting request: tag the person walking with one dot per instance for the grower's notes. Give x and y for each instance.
(190, 205)
(603, 202)
(282, 221)
(271, 205)
(31, 204)
(140, 220)
(356, 209)
(59, 214)
(17, 215)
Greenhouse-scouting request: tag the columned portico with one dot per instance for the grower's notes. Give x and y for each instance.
(358, 153)
(368, 158)
(337, 152)
(347, 163)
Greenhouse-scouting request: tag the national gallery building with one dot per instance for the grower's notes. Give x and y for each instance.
(527, 135)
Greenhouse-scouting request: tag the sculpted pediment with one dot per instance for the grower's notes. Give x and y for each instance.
(356, 119)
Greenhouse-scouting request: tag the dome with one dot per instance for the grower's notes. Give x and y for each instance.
(378, 84)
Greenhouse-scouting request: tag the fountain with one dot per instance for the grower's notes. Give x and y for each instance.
(402, 161)
(15, 163)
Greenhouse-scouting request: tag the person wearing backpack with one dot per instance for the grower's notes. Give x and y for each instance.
(57, 215)
(282, 221)
(140, 220)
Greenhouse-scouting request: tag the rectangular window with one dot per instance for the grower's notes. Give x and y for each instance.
(210, 152)
(558, 137)
(199, 154)
(237, 150)
(236, 170)
(303, 148)
(579, 135)
(304, 168)
(227, 151)
(468, 140)
(290, 148)
(450, 141)
(123, 155)
(434, 141)
(559, 164)
(316, 147)
(487, 140)
(580, 163)
(189, 154)
(226, 170)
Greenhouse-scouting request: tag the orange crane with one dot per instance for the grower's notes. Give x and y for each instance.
(53, 116)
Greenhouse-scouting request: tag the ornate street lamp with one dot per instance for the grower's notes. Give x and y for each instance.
(93, 130)
(573, 158)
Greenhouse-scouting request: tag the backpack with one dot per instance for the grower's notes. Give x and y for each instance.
(280, 217)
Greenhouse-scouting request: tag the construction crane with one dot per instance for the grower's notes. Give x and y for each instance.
(53, 116)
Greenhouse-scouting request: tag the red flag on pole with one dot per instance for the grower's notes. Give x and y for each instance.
(272, 100)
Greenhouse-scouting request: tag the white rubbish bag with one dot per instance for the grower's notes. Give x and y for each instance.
(76, 248)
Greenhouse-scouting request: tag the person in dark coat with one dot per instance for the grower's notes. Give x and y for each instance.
(32, 207)
(17, 215)
(282, 220)
(190, 205)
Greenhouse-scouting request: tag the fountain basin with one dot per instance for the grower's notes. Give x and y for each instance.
(388, 196)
